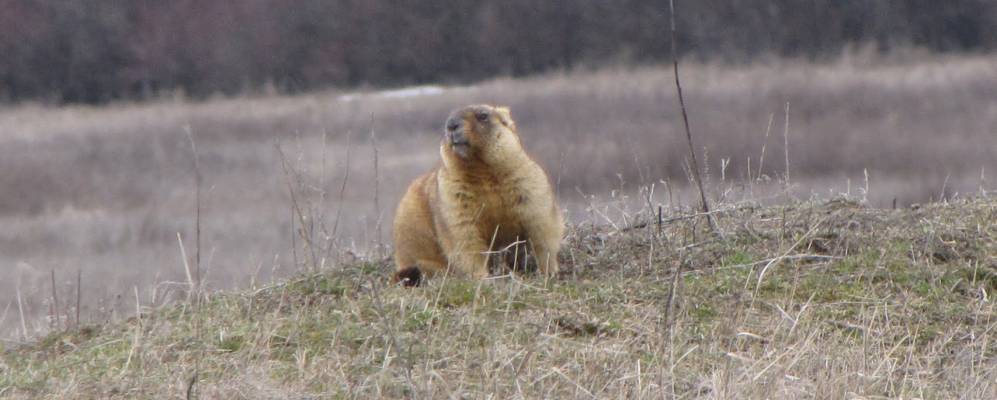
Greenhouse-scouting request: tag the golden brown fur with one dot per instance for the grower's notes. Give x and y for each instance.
(486, 195)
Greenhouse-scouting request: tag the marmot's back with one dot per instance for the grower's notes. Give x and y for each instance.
(486, 195)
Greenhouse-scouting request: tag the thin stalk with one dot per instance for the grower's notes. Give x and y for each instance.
(685, 119)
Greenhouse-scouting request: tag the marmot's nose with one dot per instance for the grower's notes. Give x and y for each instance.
(454, 124)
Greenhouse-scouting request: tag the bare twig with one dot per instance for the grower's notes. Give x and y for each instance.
(685, 120)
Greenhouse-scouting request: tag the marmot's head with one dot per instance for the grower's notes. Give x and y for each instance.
(479, 132)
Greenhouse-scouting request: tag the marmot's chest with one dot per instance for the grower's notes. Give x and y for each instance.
(496, 204)
(501, 197)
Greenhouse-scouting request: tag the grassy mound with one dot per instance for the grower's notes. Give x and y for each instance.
(829, 300)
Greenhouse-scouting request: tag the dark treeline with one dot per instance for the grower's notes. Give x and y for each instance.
(99, 50)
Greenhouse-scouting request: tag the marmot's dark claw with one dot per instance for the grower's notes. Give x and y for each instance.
(409, 277)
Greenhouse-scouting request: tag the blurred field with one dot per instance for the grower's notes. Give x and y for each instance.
(105, 190)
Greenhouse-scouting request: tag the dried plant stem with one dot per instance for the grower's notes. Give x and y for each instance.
(685, 120)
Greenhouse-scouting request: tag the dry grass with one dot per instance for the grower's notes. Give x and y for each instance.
(810, 300)
(105, 190)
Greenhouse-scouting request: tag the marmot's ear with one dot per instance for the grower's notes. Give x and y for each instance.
(506, 117)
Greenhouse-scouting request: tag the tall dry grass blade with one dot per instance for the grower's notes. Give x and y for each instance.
(685, 120)
(983, 182)
(761, 159)
(321, 179)
(293, 232)
(137, 337)
(672, 295)
(3, 317)
(186, 268)
(785, 136)
(377, 193)
(346, 180)
(79, 294)
(55, 302)
(197, 207)
(865, 191)
(20, 310)
(943, 194)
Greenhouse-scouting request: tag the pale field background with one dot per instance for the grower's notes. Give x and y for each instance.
(106, 190)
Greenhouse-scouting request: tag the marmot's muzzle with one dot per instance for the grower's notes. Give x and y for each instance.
(457, 138)
(455, 132)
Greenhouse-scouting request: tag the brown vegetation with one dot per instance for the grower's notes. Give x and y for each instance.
(805, 301)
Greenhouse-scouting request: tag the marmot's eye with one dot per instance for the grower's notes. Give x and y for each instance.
(481, 116)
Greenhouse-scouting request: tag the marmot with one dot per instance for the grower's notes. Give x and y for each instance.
(486, 195)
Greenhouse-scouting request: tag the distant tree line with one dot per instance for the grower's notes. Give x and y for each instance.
(98, 50)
